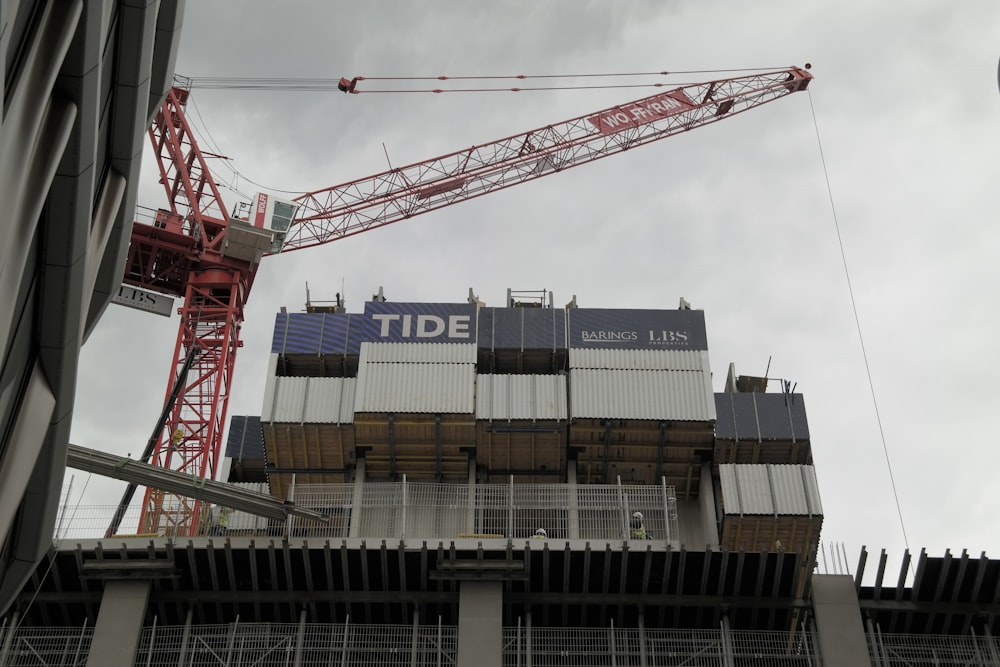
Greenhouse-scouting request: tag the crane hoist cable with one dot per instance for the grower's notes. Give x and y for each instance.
(306, 84)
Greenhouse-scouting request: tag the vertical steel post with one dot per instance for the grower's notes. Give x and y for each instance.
(232, 641)
(623, 509)
(291, 499)
(79, 642)
(415, 639)
(470, 519)
(354, 530)
(728, 659)
(528, 649)
(666, 509)
(300, 638)
(510, 509)
(152, 642)
(519, 650)
(643, 658)
(402, 531)
(574, 501)
(185, 638)
(343, 650)
(991, 646)
(8, 638)
(440, 644)
(612, 644)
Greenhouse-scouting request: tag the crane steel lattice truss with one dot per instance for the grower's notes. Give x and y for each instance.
(183, 252)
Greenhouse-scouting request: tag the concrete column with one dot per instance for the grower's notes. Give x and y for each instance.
(839, 628)
(574, 501)
(480, 623)
(119, 623)
(706, 506)
(359, 487)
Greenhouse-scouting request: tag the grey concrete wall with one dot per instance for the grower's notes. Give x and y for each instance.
(480, 623)
(838, 621)
(119, 623)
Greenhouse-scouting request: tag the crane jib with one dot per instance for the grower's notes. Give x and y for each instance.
(643, 111)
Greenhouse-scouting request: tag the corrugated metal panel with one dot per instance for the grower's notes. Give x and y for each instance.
(311, 400)
(784, 490)
(755, 489)
(418, 353)
(789, 492)
(811, 486)
(246, 439)
(730, 489)
(757, 416)
(448, 388)
(521, 397)
(649, 360)
(632, 394)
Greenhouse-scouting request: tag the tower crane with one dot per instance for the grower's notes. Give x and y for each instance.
(197, 251)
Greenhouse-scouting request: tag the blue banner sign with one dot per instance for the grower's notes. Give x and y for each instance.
(386, 321)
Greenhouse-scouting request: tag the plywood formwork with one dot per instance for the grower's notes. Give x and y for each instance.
(424, 447)
(758, 451)
(755, 533)
(532, 451)
(312, 453)
(641, 451)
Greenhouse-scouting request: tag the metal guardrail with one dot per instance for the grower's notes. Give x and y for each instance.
(435, 511)
(909, 650)
(307, 644)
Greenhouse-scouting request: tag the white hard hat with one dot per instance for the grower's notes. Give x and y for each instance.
(637, 515)
(540, 531)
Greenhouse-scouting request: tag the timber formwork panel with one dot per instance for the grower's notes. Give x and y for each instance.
(758, 451)
(530, 450)
(317, 365)
(641, 451)
(424, 447)
(313, 453)
(755, 533)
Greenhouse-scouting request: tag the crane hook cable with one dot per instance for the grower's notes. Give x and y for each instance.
(857, 323)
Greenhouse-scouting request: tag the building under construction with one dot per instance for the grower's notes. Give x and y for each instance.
(432, 442)
(385, 507)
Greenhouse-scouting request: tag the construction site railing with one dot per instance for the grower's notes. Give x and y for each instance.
(274, 644)
(911, 650)
(435, 511)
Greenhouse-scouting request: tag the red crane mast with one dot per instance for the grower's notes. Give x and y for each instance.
(197, 251)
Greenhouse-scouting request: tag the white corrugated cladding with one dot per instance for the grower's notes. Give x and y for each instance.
(521, 397)
(418, 353)
(648, 360)
(416, 377)
(641, 394)
(770, 489)
(309, 400)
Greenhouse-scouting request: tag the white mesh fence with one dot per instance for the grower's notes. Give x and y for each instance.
(435, 511)
(908, 650)
(312, 644)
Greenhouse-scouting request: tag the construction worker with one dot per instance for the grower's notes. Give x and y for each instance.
(638, 528)
(221, 524)
(540, 534)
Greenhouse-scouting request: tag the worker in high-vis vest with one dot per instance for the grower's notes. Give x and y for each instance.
(540, 534)
(221, 524)
(638, 528)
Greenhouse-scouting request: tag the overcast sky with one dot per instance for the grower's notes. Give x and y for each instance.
(734, 217)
